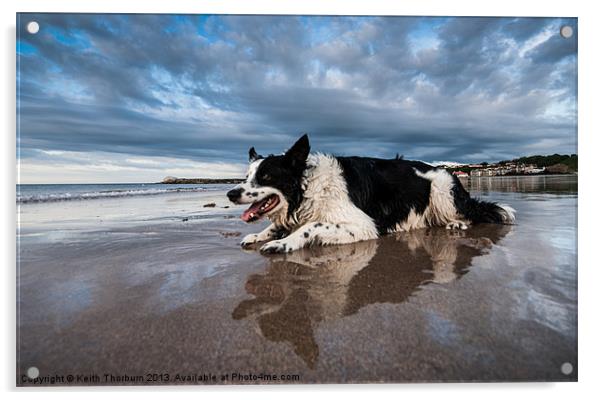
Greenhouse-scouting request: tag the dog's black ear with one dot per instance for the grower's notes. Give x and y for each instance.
(299, 152)
(253, 155)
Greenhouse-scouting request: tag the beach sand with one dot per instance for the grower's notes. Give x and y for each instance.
(159, 285)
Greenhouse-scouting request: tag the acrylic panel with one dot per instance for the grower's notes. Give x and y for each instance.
(228, 199)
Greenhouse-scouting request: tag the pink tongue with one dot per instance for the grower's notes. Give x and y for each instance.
(246, 216)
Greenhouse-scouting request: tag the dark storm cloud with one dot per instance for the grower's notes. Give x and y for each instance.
(208, 87)
(524, 28)
(553, 50)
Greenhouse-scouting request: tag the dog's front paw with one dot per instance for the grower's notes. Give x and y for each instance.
(249, 240)
(276, 246)
(456, 225)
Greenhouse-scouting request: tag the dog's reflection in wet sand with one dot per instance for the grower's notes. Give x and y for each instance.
(303, 288)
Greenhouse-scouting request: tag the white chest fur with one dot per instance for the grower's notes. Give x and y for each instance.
(326, 198)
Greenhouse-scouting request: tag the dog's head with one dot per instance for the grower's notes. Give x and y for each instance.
(273, 183)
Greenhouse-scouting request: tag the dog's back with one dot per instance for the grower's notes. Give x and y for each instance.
(402, 195)
(386, 190)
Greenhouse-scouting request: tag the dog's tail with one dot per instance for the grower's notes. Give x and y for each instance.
(479, 211)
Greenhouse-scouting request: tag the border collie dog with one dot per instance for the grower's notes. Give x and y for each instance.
(323, 199)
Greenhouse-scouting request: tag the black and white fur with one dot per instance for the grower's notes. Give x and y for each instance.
(325, 199)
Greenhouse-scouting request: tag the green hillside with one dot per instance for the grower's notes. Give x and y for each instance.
(545, 161)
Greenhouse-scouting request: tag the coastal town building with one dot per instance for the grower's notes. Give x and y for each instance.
(506, 169)
(460, 174)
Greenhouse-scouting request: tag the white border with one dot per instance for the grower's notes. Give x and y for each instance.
(589, 193)
(551, 8)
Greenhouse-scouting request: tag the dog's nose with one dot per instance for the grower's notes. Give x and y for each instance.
(234, 194)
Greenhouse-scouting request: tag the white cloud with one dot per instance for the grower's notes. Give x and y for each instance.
(101, 167)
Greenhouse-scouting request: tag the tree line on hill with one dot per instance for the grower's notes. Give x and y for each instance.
(547, 161)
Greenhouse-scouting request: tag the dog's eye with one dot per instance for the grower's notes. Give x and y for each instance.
(265, 177)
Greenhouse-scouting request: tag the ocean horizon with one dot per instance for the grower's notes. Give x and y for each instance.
(51, 192)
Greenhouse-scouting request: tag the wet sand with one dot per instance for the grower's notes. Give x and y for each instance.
(160, 286)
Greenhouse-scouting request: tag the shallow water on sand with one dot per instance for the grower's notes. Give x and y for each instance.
(160, 285)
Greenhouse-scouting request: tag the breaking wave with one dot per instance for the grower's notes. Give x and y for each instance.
(105, 194)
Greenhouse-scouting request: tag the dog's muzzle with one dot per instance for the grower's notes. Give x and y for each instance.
(234, 194)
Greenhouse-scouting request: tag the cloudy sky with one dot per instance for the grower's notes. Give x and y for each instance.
(133, 98)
